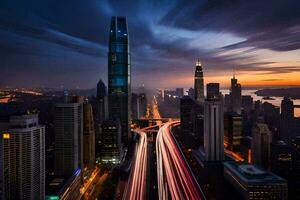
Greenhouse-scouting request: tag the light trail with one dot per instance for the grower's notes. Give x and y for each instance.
(136, 186)
(173, 173)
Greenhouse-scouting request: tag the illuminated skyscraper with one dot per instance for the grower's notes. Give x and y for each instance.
(119, 75)
(235, 96)
(198, 84)
(22, 154)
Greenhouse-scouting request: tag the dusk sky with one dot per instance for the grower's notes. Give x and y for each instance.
(55, 43)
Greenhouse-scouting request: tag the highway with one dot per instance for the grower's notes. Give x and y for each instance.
(175, 179)
(136, 185)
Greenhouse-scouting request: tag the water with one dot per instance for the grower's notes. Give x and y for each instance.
(275, 100)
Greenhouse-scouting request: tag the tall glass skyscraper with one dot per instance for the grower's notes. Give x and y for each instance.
(198, 84)
(119, 83)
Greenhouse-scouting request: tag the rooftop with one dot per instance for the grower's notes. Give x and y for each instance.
(252, 174)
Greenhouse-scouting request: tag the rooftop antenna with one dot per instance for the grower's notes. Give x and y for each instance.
(234, 72)
(198, 62)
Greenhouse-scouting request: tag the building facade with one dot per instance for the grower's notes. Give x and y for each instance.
(261, 141)
(235, 96)
(68, 129)
(214, 130)
(198, 83)
(119, 75)
(23, 159)
(254, 183)
(88, 136)
(111, 151)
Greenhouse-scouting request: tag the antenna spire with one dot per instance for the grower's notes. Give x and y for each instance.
(198, 63)
(234, 72)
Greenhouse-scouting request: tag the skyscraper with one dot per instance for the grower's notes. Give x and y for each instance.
(261, 141)
(119, 75)
(68, 124)
(213, 129)
(198, 84)
(22, 153)
(213, 90)
(287, 119)
(187, 115)
(88, 136)
(235, 96)
(111, 151)
(233, 131)
(100, 109)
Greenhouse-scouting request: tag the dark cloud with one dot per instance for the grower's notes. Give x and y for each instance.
(39, 38)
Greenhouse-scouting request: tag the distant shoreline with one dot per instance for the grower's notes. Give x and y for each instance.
(293, 93)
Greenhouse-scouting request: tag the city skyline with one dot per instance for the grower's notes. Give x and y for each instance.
(40, 39)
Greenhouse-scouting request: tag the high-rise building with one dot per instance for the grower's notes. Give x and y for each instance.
(191, 93)
(22, 154)
(179, 92)
(100, 110)
(101, 90)
(233, 131)
(212, 90)
(119, 75)
(247, 103)
(281, 159)
(287, 119)
(254, 183)
(68, 128)
(88, 136)
(198, 84)
(214, 129)
(261, 141)
(235, 96)
(187, 115)
(111, 151)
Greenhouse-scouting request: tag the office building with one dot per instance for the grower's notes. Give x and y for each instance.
(213, 90)
(247, 103)
(254, 183)
(111, 151)
(187, 115)
(261, 141)
(233, 131)
(119, 75)
(191, 93)
(88, 136)
(179, 92)
(235, 96)
(287, 119)
(68, 129)
(214, 129)
(100, 112)
(198, 83)
(22, 152)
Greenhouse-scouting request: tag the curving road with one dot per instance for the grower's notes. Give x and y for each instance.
(175, 179)
(136, 186)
